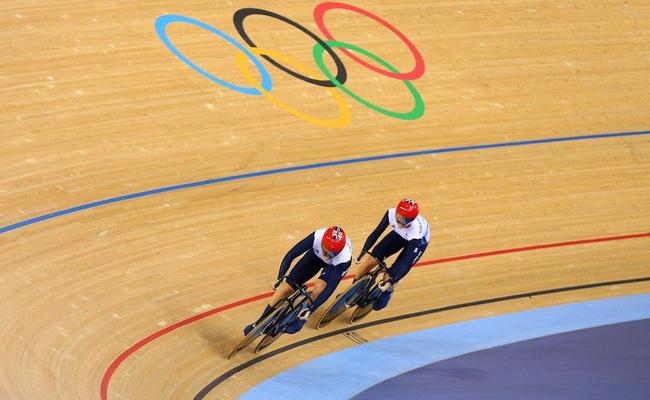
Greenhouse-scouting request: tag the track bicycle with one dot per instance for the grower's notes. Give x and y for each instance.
(272, 324)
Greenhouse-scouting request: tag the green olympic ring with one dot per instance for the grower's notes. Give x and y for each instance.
(418, 108)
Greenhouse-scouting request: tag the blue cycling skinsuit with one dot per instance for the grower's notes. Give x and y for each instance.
(412, 240)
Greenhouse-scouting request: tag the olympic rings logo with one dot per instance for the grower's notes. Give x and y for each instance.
(293, 67)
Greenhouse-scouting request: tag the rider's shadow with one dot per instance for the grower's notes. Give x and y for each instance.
(217, 331)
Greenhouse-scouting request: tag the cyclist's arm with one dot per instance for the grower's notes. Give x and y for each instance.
(372, 238)
(300, 247)
(403, 265)
(333, 279)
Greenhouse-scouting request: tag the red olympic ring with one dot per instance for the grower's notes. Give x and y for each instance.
(416, 72)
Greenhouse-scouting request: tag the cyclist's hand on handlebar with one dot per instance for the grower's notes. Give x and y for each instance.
(385, 286)
(358, 260)
(277, 284)
(304, 314)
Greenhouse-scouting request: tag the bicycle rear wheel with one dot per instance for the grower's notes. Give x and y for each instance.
(257, 331)
(347, 300)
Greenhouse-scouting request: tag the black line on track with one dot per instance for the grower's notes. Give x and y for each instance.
(220, 379)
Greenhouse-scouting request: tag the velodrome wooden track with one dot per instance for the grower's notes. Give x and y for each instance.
(95, 106)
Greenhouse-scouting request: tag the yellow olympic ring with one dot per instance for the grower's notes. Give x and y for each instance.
(345, 114)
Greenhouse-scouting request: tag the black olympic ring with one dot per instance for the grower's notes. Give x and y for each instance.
(241, 14)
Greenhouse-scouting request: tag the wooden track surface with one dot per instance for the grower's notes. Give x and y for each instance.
(95, 106)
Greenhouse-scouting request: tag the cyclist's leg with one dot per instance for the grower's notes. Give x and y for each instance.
(327, 282)
(406, 257)
(305, 269)
(310, 266)
(367, 263)
(302, 272)
(285, 290)
(387, 246)
(318, 288)
(297, 324)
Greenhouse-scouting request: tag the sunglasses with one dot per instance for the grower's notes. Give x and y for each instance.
(402, 219)
(328, 253)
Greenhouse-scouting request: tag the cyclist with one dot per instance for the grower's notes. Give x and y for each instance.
(410, 234)
(328, 250)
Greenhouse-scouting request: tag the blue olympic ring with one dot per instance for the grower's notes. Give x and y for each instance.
(164, 20)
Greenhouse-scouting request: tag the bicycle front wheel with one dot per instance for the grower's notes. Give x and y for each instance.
(347, 300)
(257, 331)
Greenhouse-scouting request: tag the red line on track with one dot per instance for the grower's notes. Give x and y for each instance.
(531, 248)
(137, 346)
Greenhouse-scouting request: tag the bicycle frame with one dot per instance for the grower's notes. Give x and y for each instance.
(290, 310)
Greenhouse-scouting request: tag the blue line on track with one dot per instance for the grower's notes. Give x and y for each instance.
(276, 171)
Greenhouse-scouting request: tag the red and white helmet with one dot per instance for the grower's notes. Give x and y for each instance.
(406, 211)
(333, 241)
